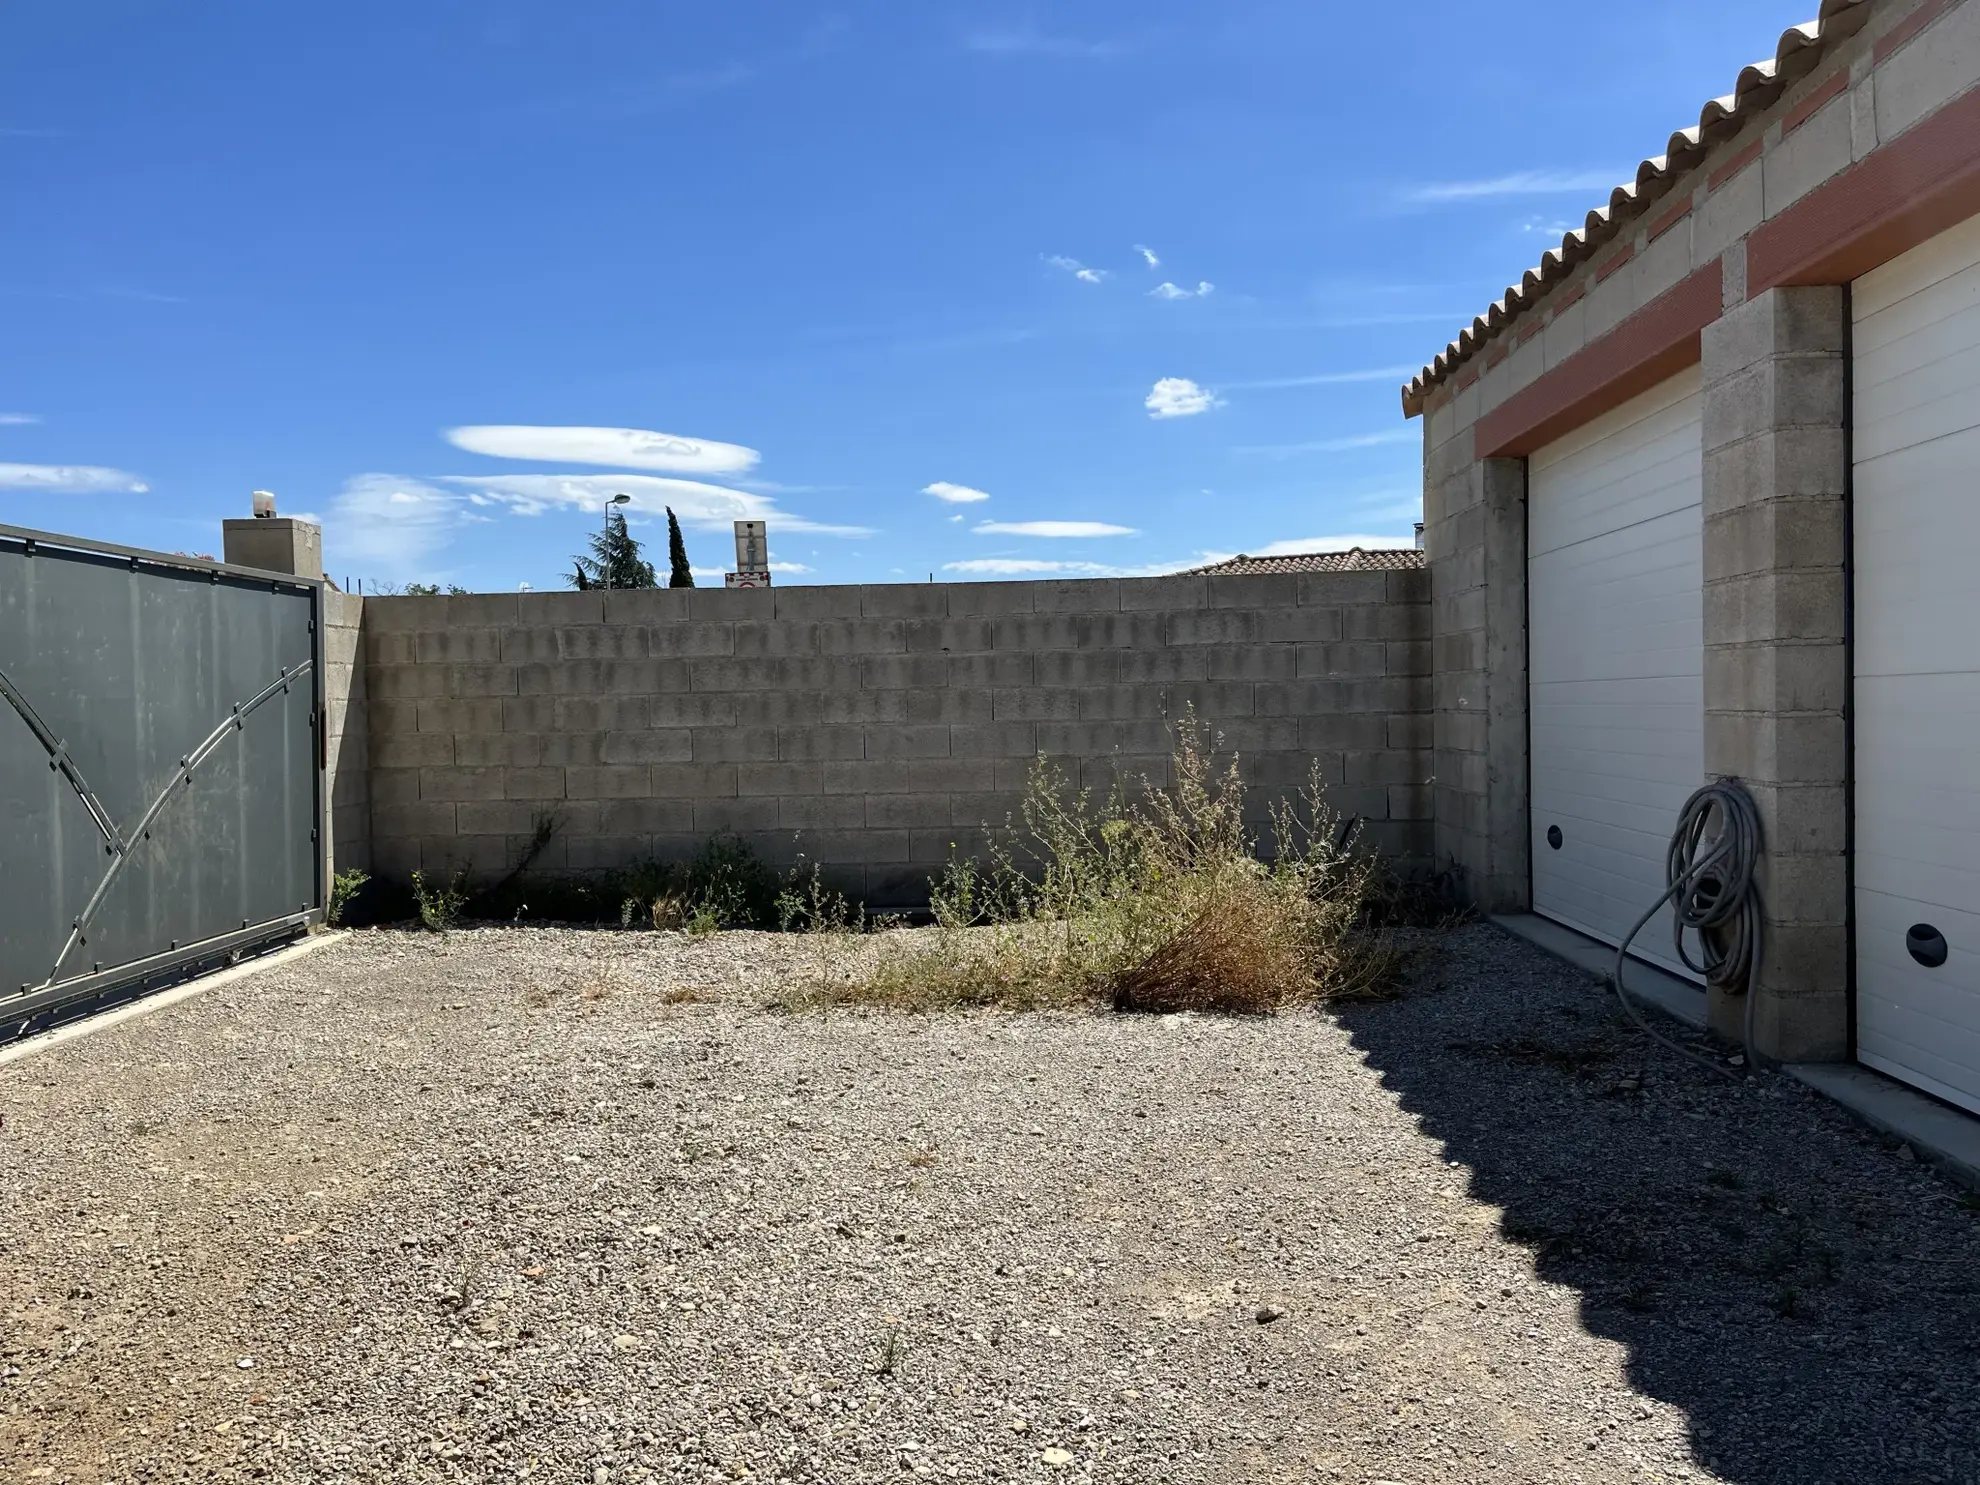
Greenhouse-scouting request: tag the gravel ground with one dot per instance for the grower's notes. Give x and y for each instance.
(573, 1206)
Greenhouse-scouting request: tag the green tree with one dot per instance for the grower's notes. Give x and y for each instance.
(681, 576)
(614, 561)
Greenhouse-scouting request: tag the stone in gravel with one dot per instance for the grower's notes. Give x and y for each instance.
(1056, 1457)
(1266, 1314)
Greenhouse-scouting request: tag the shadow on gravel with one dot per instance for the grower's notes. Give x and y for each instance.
(1807, 1296)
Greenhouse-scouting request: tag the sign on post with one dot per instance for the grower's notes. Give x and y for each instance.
(752, 556)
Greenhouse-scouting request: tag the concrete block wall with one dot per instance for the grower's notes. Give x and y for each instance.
(1776, 673)
(347, 740)
(875, 729)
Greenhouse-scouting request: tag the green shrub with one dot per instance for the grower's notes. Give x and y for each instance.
(440, 904)
(344, 886)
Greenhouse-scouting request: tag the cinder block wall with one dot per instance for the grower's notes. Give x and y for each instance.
(874, 729)
(347, 745)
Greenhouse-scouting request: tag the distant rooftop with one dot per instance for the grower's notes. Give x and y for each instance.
(1354, 559)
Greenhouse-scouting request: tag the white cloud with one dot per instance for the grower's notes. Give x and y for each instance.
(1177, 397)
(1077, 269)
(70, 479)
(624, 448)
(711, 507)
(1336, 445)
(18, 420)
(1051, 528)
(954, 494)
(956, 517)
(789, 567)
(1329, 378)
(1520, 183)
(391, 525)
(1148, 256)
(1167, 290)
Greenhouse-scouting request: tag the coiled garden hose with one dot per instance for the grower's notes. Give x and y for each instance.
(1709, 868)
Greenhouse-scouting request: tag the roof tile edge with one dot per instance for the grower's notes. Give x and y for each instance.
(1758, 86)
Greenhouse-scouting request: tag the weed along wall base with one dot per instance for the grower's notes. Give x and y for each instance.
(878, 730)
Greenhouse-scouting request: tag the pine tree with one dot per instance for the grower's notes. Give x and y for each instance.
(614, 561)
(682, 575)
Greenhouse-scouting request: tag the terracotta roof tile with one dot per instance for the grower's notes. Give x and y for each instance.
(1382, 559)
(1757, 87)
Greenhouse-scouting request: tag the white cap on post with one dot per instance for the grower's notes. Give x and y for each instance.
(264, 505)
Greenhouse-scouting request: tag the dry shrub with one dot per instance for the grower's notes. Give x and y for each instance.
(1163, 902)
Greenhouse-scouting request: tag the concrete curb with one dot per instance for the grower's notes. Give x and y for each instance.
(1944, 1135)
(150, 1003)
(1645, 983)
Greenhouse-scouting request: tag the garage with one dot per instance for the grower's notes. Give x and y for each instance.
(1916, 350)
(1616, 703)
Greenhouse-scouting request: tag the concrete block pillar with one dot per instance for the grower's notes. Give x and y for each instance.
(1475, 538)
(274, 544)
(1776, 675)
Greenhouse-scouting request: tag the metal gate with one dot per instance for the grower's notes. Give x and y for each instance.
(160, 780)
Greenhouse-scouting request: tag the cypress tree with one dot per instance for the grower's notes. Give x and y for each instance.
(682, 576)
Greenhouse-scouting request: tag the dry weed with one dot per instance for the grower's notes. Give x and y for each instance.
(1164, 902)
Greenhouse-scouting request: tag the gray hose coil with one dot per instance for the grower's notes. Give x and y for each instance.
(1710, 884)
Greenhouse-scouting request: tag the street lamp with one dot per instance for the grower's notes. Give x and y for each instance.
(615, 500)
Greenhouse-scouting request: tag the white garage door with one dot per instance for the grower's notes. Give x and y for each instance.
(1615, 574)
(1917, 600)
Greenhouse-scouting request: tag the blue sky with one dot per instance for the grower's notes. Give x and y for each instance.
(1145, 276)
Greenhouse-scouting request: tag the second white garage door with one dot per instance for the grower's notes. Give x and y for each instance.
(1615, 573)
(1917, 347)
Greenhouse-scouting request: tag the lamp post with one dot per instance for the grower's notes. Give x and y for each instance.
(614, 501)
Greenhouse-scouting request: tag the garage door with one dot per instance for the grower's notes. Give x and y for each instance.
(1616, 659)
(1917, 606)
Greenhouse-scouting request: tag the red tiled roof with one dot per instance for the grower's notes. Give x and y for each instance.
(1757, 87)
(1382, 559)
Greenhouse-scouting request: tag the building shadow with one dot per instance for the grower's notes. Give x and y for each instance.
(1807, 1296)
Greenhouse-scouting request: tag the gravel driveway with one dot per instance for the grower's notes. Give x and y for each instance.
(571, 1206)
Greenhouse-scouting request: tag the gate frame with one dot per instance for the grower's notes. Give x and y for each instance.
(19, 1014)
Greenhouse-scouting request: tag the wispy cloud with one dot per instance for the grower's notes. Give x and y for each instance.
(1167, 290)
(1148, 256)
(1327, 378)
(1077, 269)
(711, 507)
(1519, 183)
(18, 420)
(624, 448)
(954, 494)
(1028, 42)
(70, 479)
(139, 296)
(1334, 445)
(1055, 529)
(392, 524)
(1177, 397)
